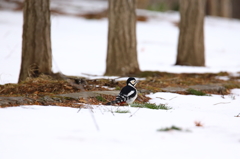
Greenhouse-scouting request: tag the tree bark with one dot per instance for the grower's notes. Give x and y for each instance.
(122, 45)
(191, 37)
(221, 8)
(236, 9)
(36, 39)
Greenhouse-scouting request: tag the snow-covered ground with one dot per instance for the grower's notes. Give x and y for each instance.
(79, 46)
(50, 132)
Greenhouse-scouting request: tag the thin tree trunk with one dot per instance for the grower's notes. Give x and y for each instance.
(36, 40)
(191, 37)
(122, 45)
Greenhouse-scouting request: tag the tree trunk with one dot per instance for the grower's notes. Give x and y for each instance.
(191, 37)
(36, 40)
(122, 45)
(142, 4)
(236, 9)
(226, 8)
(221, 8)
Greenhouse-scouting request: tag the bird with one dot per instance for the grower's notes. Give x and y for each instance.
(128, 94)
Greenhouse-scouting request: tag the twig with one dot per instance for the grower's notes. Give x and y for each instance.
(100, 108)
(134, 113)
(173, 98)
(110, 111)
(2, 90)
(90, 74)
(161, 98)
(79, 109)
(222, 103)
(94, 120)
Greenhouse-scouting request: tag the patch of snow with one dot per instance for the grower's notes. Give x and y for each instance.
(225, 78)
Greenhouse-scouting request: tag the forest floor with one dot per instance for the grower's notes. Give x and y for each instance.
(61, 90)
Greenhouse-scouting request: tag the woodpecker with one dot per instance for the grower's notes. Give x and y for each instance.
(128, 94)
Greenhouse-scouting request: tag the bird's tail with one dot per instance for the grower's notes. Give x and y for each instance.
(119, 99)
(113, 102)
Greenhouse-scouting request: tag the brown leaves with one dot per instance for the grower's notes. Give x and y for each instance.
(198, 124)
(44, 85)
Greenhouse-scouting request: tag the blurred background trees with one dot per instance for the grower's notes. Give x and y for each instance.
(213, 7)
(221, 8)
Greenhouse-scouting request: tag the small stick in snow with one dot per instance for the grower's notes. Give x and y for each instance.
(79, 109)
(161, 98)
(173, 98)
(110, 111)
(134, 113)
(222, 103)
(94, 120)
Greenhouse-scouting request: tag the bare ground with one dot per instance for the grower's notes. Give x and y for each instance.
(48, 90)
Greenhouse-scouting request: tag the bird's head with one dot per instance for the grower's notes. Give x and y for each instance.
(132, 81)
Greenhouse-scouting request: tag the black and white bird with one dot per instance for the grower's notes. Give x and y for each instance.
(128, 94)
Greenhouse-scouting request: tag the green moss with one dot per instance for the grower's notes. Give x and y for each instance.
(117, 88)
(101, 99)
(160, 7)
(170, 128)
(232, 85)
(223, 74)
(122, 111)
(151, 106)
(195, 92)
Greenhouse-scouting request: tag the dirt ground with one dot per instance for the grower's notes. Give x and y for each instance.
(45, 89)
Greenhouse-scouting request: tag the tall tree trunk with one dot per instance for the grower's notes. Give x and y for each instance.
(142, 4)
(221, 8)
(36, 40)
(226, 8)
(191, 37)
(236, 9)
(122, 45)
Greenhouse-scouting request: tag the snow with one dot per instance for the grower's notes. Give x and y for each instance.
(60, 132)
(79, 48)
